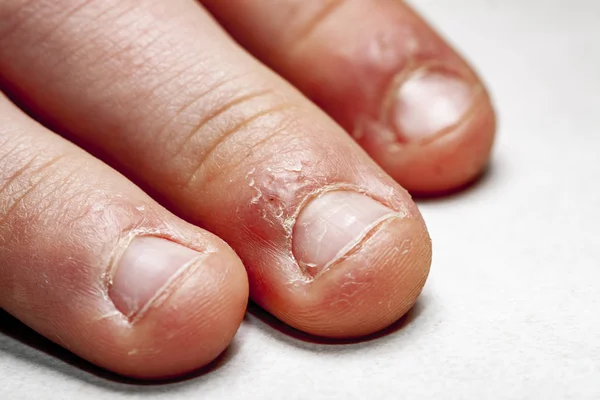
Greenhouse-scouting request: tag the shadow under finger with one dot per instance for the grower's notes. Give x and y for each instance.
(21, 342)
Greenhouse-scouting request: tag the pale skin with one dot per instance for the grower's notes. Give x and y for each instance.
(174, 173)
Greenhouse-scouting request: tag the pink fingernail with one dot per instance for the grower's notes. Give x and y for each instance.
(145, 270)
(428, 102)
(331, 225)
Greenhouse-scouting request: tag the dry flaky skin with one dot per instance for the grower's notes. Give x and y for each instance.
(283, 176)
(350, 57)
(172, 102)
(64, 220)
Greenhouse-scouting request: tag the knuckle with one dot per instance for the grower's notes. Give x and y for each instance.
(30, 183)
(43, 196)
(315, 18)
(17, 15)
(231, 133)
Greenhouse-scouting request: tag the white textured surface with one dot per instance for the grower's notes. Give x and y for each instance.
(512, 309)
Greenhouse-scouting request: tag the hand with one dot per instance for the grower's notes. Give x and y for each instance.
(327, 241)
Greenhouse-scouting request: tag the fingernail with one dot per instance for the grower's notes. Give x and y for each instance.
(145, 271)
(429, 102)
(333, 224)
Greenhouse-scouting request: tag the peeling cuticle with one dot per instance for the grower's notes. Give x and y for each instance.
(327, 224)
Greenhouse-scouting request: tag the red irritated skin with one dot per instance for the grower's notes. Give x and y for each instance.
(309, 219)
(385, 75)
(231, 147)
(327, 238)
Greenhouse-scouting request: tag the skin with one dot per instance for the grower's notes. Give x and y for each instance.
(153, 122)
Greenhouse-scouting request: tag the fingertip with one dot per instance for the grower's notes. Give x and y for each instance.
(96, 266)
(405, 94)
(451, 158)
(374, 285)
(186, 327)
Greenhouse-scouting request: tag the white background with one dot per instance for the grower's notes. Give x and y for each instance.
(512, 308)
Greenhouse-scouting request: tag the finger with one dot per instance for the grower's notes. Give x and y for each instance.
(92, 263)
(332, 245)
(384, 74)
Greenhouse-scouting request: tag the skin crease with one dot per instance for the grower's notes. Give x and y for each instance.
(309, 43)
(61, 193)
(166, 97)
(264, 131)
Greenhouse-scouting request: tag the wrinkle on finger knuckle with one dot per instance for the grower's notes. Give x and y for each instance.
(233, 135)
(16, 15)
(112, 37)
(43, 197)
(61, 221)
(316, 14)
(25, 177)
(29, 185)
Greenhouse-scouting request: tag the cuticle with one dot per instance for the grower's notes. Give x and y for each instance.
(413, 68)
(334, 188)
(123, 244)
